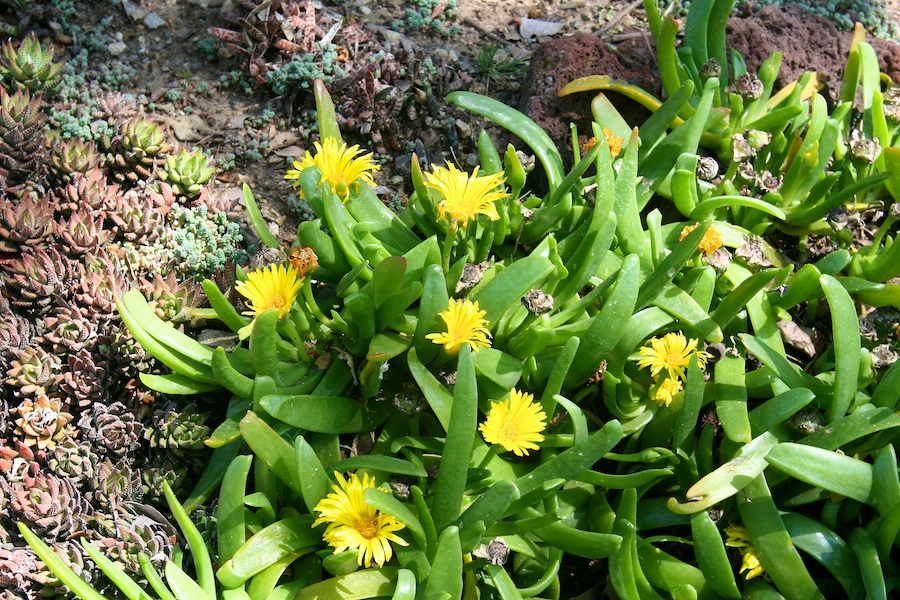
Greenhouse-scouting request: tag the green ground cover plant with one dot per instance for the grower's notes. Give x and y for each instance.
(453, 401)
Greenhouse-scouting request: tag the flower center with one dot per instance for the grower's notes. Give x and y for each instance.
(509, 431)
(276, 301)
(674, 359)
(367, 528)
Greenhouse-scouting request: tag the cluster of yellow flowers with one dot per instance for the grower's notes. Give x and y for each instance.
(515, 424)
(668, 357)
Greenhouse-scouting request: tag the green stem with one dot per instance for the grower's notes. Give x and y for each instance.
(447, 248)
(314, 307)
(291, 330)
(882, 231)
(207, 314)
(493, 450)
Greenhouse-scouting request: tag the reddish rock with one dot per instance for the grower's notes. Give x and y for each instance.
(556, 63)
(807, 42)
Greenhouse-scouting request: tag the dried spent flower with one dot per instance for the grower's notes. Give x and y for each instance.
(537, 302)
(883, 356)
(747, 85)
(741, 149)
(719, 260)
(752, 250)
(267, 256)
(710, 68)
(303, 259)
(863, 149)
(707, 168)
(495, 552)
(471, 275)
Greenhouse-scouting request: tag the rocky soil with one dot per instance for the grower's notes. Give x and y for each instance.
(179, 73)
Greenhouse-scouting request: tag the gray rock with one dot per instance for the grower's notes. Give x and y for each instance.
(154, 21)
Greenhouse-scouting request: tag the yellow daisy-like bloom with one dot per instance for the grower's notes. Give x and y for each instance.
(465, 325)
(614, 141)
(739, 537)
(276, 287)
(712, 239)
(666, 391)
(465, 196)
(515, 423)
(342, 168)
(354, 524)
(672, 352)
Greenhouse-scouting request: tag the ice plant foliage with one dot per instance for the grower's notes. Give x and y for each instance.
(515, 423)
(343, 168)
(739, 537)
(465, 325)
(465, 196)
(711, 241)
(274, 287)
(353, 524)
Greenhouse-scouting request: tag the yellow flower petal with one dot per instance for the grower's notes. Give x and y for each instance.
(666, 390)
(353, 524)
(515, 423)
(465, 196)
(671, 353)
(342, 168)
(465, 325)
(739, 537)
(274, 287)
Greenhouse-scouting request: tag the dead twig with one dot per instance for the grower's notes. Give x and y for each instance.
(484, 31)
(619, 16)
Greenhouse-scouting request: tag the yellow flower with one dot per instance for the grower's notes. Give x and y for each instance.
(275, 287)
(739, 537)
(354, 524)
(666, 390)
(515, 423)
(712, 239)
(465, 196)
(614, 141)
(465, 325)
(672, 352)
(342, 168)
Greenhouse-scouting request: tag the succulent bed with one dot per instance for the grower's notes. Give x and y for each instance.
(671, 368)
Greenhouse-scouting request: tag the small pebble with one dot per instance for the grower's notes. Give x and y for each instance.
(154, 21)
(117, 48)
(465, 130)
